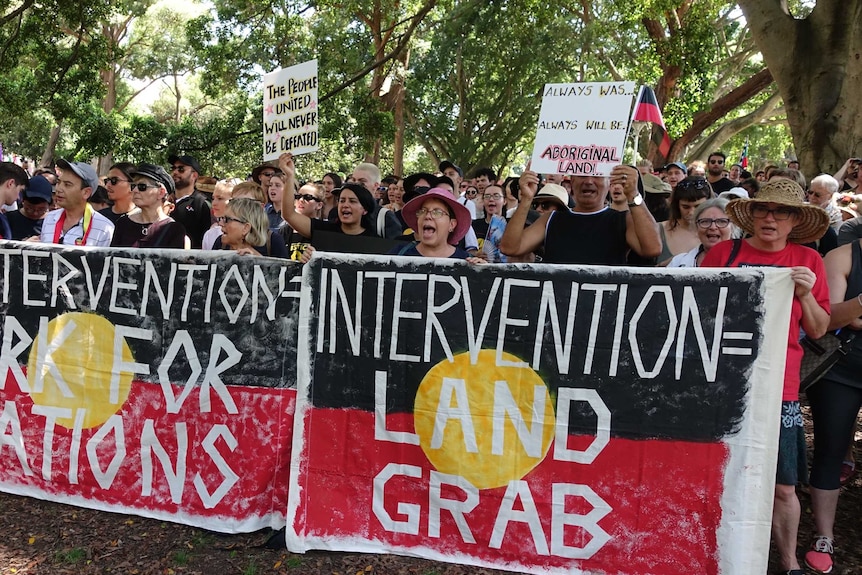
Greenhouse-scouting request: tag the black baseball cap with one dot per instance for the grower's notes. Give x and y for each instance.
(189, 161)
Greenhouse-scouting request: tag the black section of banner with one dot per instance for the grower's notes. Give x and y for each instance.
(213, 297)
(644, 316)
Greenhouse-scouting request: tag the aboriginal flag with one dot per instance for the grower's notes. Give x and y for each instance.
(532, 419)
(647, 110)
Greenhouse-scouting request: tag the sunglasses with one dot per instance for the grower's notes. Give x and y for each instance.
(179, 169)
(698, 184)
(472, 192)
(143, 186)
(306, 197)
(113, 180)
(265, 174)
(226, 219)
(544, 205)
(716, 161)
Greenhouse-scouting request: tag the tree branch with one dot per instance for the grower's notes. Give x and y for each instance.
(399, 48)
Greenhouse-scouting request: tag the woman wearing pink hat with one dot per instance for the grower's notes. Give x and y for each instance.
(438, 222)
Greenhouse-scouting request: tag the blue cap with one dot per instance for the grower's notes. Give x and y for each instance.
(38, 189)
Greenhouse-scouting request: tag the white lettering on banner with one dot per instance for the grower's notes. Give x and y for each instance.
(458, 509)
(119, 286)
(75, 447)
(50, 279)
(9, 355)
(565, 397)
(95, 293)
(460, 412)
(398, 315)
(518, 489)
(121, 332)
(10, 421)
(230, 478)
(588, 522)
(175, 477)
(380, 431)
(7, 258)
(505, 405)
(411, 510)
(106, 478)
(505, 320)
(183, 340)
(151, 278)
(44, 356)
(28, 276)
(51, 415)
(432, 323)
(551, 322)
(60, 285)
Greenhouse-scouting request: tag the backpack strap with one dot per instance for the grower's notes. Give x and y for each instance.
(381, 222)
(734, 251)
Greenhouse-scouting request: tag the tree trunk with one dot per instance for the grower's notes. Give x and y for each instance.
(817, 65)
(51, 146)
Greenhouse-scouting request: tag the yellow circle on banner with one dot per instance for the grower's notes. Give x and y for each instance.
(477, 421)
(73, 369)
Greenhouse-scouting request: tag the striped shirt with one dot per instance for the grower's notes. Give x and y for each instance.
(101, 230)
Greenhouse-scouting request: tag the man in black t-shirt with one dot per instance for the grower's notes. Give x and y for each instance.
(190, 206)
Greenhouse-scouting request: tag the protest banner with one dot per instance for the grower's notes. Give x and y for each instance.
(290, 120)
(540, 419)
(582, 128)
(153, 382)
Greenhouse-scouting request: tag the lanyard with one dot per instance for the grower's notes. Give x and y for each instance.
(87, 226)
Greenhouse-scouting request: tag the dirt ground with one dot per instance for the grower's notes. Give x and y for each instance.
(42, 538)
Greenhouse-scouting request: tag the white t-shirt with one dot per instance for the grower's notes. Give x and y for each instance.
(101, 230)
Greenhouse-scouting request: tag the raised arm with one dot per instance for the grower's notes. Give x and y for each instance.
(641, 231)
(516, 240)
(299, 222)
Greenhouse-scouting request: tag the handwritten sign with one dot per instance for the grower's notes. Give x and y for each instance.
(152, 382)
(557, 419)
(290, 118)
(582, 127)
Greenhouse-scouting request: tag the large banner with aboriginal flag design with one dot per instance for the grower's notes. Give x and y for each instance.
(157, 383)
(536, 418)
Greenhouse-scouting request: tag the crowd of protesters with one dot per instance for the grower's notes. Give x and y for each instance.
(702, 214)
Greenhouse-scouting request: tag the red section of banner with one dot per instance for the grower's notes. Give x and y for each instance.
(232, 477)
(664, 500)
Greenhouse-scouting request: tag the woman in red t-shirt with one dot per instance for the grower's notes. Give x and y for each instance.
(779, 221)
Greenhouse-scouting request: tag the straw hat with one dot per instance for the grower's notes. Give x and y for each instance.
(811, 221)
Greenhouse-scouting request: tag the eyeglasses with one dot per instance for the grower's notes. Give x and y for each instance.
(693, 184)
(706, 223)
(306, 197)
(716, 161)
(543, 205)
(472, 192)
(436, 213)
(493, 196)
(143, 186)
(780, 214)
(264, 174)
(113, 180)
(226, 219)
(179, 168)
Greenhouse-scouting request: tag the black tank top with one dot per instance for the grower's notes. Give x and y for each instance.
(849, 370)
(598, 238)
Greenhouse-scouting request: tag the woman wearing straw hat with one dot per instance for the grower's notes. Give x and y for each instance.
(779, 221)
